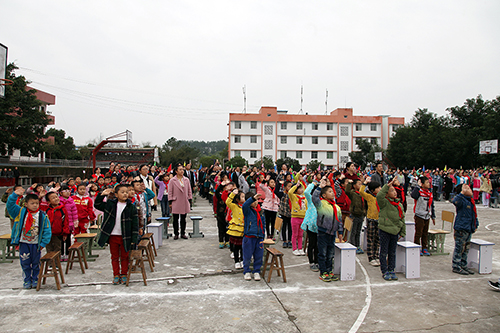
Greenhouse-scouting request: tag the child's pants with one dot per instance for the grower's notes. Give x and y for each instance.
(222, 227)
(118, 255)
(357, 223)
(252, 247)
(270, 220)
(81, 229)
(326, 251)
(312, 247)
(296, 233)
(286, 229)
(388, 244)
(29, 256)
(372, 239)
(165, 208)
(462, 246)
(421, 231)
(486, 199)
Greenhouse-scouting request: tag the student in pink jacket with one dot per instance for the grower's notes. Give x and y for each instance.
(271, 204)
(69, 204)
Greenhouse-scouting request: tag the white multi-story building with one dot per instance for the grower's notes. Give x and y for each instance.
(326, 138)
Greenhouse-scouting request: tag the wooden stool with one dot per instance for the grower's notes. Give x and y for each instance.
(87, 239)
(8, 250)
(136, 263)
(267, 243)
(150, 237)
(147, 252)
(76, 248)
(53, 260)
(275, 264)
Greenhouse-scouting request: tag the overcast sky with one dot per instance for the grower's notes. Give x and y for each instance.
(177, 68)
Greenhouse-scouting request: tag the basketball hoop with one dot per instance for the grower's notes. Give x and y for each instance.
(6, 82)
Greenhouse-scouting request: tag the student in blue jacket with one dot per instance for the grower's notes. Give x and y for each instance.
(31, 231)
(466, 224)
(254, 232)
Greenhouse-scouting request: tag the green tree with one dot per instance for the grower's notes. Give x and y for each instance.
(22, 121)
(268, 163)
(207, 161)
(290, 162)
(174, 151)
(365, 154)
(314, 164)
(237, 161)
(62, 148)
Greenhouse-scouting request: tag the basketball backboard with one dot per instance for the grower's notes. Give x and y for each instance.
(488, 147)
(3, 68)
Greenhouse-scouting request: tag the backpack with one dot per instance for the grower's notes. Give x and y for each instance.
(344, 202)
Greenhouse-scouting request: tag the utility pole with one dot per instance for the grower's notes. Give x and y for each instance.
(326, 102)
(244, 99)
(301, 98)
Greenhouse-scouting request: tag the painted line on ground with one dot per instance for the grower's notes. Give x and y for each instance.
(368, 301)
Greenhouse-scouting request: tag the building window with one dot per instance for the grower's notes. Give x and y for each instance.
(253, 125)
(253, 138)
(344, 145)
(299, 140)
(237, 139)
(373, 127)
(373, 141)
(314, 126)
(395, 128)
(298, 154)
(237, 153)
(344, 159)
(344, 131)
(359, 127)
(329, 140)
(329, 126)
(314, 140)
(268, 144)
(329, 155)
(283, 154)
(268, 129)
(237, 124)
(283, 125)
(253, 154)
(314, 155)
(299, 126)
(283, 140)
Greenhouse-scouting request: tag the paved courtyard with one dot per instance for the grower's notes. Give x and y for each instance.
(195, 289)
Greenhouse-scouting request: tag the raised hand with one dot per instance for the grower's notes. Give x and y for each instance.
(19, 191)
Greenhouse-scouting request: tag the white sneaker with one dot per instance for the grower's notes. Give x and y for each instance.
(378, 262)
(232, 255)
(302, 253)
(296, 252)
(237, 265)
(247, 276)
(256, 276)
(373, 262)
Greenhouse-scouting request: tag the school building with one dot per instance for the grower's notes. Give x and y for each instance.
(326, 138)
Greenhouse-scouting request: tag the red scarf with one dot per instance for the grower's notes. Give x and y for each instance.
(259, 220)
(272, 191)
(400, 211)
(426, 194)
(362, 199)
(331, 202)
(474, 209)
(29, 220)
(300, 200)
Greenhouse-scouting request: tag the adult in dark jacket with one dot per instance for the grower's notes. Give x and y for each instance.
(378, 176)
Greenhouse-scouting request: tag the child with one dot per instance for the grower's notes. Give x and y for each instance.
(19, 202)
(270, 204)
(31, 231)
(358, 212)
(254, 233)
(59, 222)
(424, 209)
(372, 239)
(69, 204)
(342, 199)
(286, 215)
(119, 228)
(391, 223)
(143, 196)
(236, 226)
(222, 193)
(140, 215)
(309, 225)
(298, 211)
(85, 209)
(466, 224)
(329, 223)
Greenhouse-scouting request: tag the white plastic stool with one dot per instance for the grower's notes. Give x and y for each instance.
(408, 259)
(345, 261)
(480, 256)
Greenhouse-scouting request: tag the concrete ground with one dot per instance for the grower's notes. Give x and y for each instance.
(195, 289)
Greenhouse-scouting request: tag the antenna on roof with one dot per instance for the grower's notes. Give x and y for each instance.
(301, 98)
(326, 102)
(244, 99)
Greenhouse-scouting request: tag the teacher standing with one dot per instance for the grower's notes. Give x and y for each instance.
(179, 197)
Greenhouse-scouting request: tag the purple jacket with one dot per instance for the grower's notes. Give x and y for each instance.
(161, 187)
(70, 206)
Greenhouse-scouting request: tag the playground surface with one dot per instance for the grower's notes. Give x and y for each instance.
(195, 288)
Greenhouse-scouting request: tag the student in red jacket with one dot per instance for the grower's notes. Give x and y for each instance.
(85, 208)
(59, 221)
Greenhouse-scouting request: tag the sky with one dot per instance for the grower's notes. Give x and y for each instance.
(166, 69)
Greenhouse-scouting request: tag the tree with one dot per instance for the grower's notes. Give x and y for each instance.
(237, 161)
(290, 163)
(174, 151)
(62, 148)
(366, 153)
(207, 161)
(22, 121)
(268, 163)
(314, 164)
